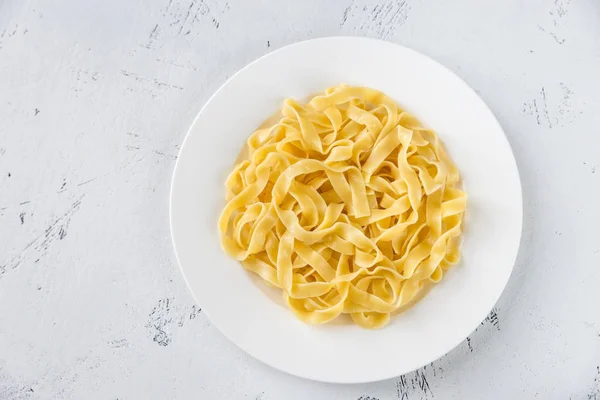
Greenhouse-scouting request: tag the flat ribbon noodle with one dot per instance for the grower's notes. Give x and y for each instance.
(348, 204)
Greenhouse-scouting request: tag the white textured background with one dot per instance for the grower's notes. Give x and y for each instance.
(95, 99)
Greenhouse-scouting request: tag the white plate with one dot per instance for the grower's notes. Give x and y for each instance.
(244, 310)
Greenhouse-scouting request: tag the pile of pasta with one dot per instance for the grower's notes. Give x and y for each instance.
(347, 204)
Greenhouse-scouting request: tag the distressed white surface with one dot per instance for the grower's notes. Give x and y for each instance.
(95, 99)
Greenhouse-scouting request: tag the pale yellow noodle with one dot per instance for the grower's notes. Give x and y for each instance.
(348, 204)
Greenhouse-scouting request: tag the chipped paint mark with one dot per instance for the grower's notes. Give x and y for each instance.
(566, 112)
(7, 33)
(415, 383)
(542, 324)
(188, 317)
(590, 325)
(595, 391)
(163, 316)
(367, 398)
(86, 76)
(204, 9)
(165, 155)
(36, 112)
(152, 38)
(492, 318)
(382, 19)
(560, 9)
(557, 14)
(423, 384)
(100, 176)
(491, 321)
(268, 44)
(261, 396)
(9, 175)
(532, 109)
(469, 344)
(88, 181)
(546, 108)
(173, 63)
(118, 343)
(13, 387)
(62, 233)
(153, 80)
(553, 35)
(184, 14)
(551, 113)
(559, 41)
(42, 243)
(435, 369)
(160, 318)
(402, 388)
(187, 16)
(346, 13)
(15, 391)
(22, 218)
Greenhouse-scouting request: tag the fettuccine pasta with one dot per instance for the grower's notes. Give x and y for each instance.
(348, 204)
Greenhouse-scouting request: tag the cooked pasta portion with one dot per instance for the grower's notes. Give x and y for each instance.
(347, 204)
